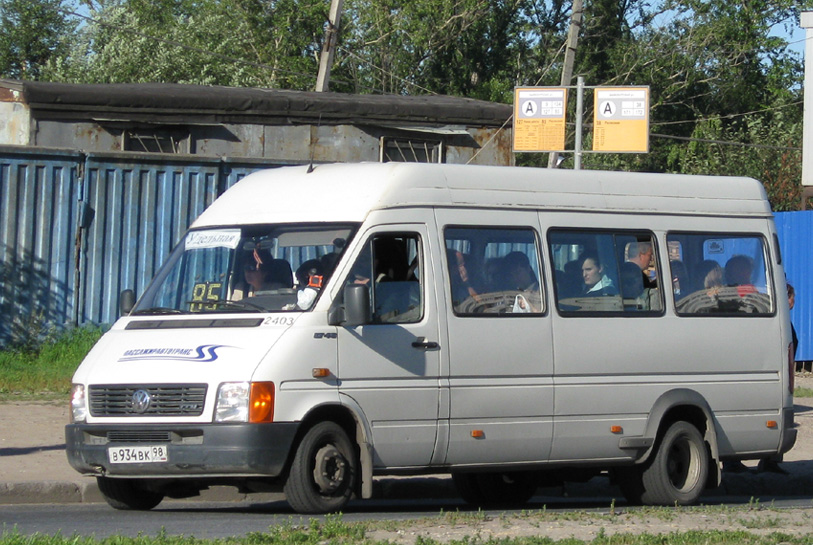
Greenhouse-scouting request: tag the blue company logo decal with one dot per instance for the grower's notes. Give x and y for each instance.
(203, 353)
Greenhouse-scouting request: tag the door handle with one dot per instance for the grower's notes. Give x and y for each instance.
(422, 343)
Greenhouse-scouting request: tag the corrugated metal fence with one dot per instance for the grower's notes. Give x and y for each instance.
(795, 239)
(76, 228)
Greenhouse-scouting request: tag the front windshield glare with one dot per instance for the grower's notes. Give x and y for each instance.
(247, 269)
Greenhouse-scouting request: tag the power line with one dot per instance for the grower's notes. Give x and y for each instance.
(724, 142)
(729, 116)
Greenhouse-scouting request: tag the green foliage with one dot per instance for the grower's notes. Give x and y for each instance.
(31, 33)
(803, 392)
(725, 90)
(246, 43)
(47, 368)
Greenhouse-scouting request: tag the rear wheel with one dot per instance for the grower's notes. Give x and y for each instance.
(128, 494)
(323, 473)
(677, 474)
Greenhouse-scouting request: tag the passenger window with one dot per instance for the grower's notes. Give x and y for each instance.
(605, 272)
(719, 274)
(391, 266)
(493, 271)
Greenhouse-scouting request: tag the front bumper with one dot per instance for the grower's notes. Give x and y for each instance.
(210, 450)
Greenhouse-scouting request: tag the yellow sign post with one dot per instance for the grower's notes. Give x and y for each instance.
(621, 119)
(539, 118)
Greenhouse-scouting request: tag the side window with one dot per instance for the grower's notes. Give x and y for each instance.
(391, 266)
(493, 271)
(605, 272)
(719, 274)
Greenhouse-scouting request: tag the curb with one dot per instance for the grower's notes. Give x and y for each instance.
(49, 492)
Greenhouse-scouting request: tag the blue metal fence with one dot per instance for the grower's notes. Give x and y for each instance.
(76, 228)
(795, 231)
(38, 209)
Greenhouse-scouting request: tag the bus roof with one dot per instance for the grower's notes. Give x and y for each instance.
(348, 192)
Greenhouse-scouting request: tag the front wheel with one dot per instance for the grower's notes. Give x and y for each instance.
(323, 473)
(127, 494)
(678, 472)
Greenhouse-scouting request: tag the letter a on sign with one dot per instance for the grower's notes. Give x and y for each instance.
(621, 119)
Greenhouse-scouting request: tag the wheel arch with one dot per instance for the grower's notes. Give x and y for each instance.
(680, 404)
(354, 425)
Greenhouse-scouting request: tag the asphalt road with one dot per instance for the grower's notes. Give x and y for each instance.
(213, 520)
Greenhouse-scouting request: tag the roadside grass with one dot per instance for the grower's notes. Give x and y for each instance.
(332, 530)
(803, 392)
(44, 372)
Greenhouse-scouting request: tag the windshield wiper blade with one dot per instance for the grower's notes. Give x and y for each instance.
(241, 305)
(157, 310)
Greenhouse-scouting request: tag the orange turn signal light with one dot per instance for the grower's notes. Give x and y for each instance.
(320, 372)
(478, 434)
(261, 402)
(772, 424)
(616, 429)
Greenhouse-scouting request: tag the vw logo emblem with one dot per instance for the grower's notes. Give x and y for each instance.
(141, 401)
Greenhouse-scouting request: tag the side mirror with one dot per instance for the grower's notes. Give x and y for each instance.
(356, 310)
(127, 301)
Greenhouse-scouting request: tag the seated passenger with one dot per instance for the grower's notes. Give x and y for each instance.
(306, 270)
(708, 275)
(632, 285)
(309, 283)
(462, 287)
(569, 280)
(596, 283)
(519, 276)
(738, 271)
(640, 253)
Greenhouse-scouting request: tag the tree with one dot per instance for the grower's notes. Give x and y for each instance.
(31, 33)
(471, 48)
(214, 42)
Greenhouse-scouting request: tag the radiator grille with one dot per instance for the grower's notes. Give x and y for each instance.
(164, 400)
(139, 436)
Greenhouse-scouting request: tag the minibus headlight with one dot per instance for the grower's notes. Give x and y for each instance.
(79, 411)
(232, 402)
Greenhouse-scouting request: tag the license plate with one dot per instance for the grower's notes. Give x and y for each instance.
(137, 455)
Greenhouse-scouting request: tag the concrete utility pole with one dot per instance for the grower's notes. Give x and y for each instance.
(807, 123)
(329, 48)
(570, 57)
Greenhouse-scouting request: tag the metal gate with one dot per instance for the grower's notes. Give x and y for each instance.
(77, 228)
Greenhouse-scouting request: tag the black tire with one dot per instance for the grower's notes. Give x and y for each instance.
(127, 494)
(323, 474)
(679, 469)
(496, 489)
(630, 481)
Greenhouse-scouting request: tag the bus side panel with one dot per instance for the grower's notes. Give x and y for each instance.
(611, 370)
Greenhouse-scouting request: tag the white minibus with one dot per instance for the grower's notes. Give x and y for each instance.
(320, 326)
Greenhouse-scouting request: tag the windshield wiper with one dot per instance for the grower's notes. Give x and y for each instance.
(157, 310)
(241, 305)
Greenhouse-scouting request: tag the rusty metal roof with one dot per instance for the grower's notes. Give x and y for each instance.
(165, 101)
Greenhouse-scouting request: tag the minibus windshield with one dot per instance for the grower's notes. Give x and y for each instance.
(267, 268)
